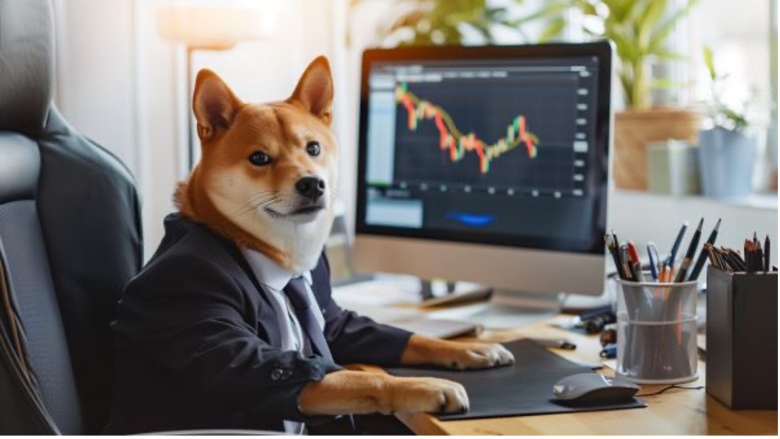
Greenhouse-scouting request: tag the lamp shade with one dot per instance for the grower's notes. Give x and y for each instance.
(217, 24)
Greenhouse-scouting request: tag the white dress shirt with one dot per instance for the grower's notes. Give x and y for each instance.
(273, 278)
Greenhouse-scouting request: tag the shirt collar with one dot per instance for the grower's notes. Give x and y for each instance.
(268, 272)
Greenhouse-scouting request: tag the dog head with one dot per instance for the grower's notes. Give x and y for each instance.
(267, 174)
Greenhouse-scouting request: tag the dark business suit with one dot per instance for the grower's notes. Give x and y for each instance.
(194, 340)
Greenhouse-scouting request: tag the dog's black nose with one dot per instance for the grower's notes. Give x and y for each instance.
(310, 187)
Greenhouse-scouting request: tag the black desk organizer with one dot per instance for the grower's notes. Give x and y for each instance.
(742, 338)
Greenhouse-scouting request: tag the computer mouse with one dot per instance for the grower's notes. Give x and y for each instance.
(593, 389)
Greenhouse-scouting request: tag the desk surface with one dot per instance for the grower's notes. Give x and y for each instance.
(672, 412)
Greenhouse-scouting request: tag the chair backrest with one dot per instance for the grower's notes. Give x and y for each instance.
(70, 238)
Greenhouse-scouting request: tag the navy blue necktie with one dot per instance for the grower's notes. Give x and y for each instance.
(299, 298)
(296, 292)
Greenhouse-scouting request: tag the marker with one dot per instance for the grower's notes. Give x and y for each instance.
(703, 255)
(627, 265)
(612, 246)
(690, 253)
(635, 263)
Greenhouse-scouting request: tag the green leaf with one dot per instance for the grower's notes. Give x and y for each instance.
(553, 29)
(622, 10)
(662, 33)
(709, 62)
(666, 55)
(667, 84)
(647, 22)
(586, 7)
(626, 82)
(552, 10)
(740, 123)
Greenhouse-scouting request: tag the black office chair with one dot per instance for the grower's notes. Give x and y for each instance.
(70, 238)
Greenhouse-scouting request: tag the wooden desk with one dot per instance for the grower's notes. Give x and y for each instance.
(688, 412)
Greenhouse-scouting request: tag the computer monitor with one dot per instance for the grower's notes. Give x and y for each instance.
(486, 164)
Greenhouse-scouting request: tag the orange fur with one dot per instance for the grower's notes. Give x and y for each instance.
(251, 205)
(222, 190)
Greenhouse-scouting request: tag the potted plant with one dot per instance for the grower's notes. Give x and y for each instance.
(439, 22)
(640, 30)
(726, 148)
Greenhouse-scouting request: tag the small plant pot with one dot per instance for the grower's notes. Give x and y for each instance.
(726, 163)
(636, 129)
(673, 168)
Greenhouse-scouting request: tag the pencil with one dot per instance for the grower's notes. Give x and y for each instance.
(766, 254)
(690, 253)
(703, 255)
(676, 245)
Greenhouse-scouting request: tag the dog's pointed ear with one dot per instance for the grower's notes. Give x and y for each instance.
(214, 104)
(315, 89)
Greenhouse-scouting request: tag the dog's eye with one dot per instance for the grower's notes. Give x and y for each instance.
(313, 148)
(259, 158)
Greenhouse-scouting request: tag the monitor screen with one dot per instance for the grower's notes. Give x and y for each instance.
(504, 146)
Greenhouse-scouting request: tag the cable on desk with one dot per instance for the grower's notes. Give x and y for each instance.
(673, 386)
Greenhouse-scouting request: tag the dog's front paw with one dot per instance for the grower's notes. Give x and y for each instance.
(480, 356)
(429, 395)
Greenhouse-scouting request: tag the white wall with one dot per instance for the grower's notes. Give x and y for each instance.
(95, 72)
(643, 217)
(122, 85)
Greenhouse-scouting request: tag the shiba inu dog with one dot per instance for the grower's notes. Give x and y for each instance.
(266, 181)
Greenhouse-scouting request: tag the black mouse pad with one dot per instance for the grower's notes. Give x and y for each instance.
(525, 388)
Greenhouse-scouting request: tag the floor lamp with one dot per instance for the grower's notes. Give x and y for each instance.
(212, 25)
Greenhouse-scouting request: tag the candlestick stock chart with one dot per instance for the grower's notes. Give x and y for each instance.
(495, 135)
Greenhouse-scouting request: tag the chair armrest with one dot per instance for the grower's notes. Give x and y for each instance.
(214, 432)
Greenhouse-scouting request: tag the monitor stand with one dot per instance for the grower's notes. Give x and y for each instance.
(505, 310)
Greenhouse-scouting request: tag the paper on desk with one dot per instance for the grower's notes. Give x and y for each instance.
(382, 291)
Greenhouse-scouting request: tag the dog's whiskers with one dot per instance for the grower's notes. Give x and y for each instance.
(260, 199)
(337, 194)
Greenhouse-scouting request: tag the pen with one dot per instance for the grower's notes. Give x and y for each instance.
(613, 250)
(635, 263)
(690, 253)
(677, 242)
(556, 343)
(664, 270)
(703, 255)
(627, 265)
(626, 273)
(653, 269)
(766, 254)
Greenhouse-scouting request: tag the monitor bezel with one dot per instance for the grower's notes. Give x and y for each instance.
(603, 50)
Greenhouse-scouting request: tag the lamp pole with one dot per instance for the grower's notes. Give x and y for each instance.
(190, 116)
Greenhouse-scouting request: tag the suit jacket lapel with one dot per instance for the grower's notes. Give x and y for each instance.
(239, 270)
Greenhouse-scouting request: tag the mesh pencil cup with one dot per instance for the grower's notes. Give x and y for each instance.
(657, 332)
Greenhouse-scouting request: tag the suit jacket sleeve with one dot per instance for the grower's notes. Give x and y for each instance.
(187, 316)
(353, 338)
